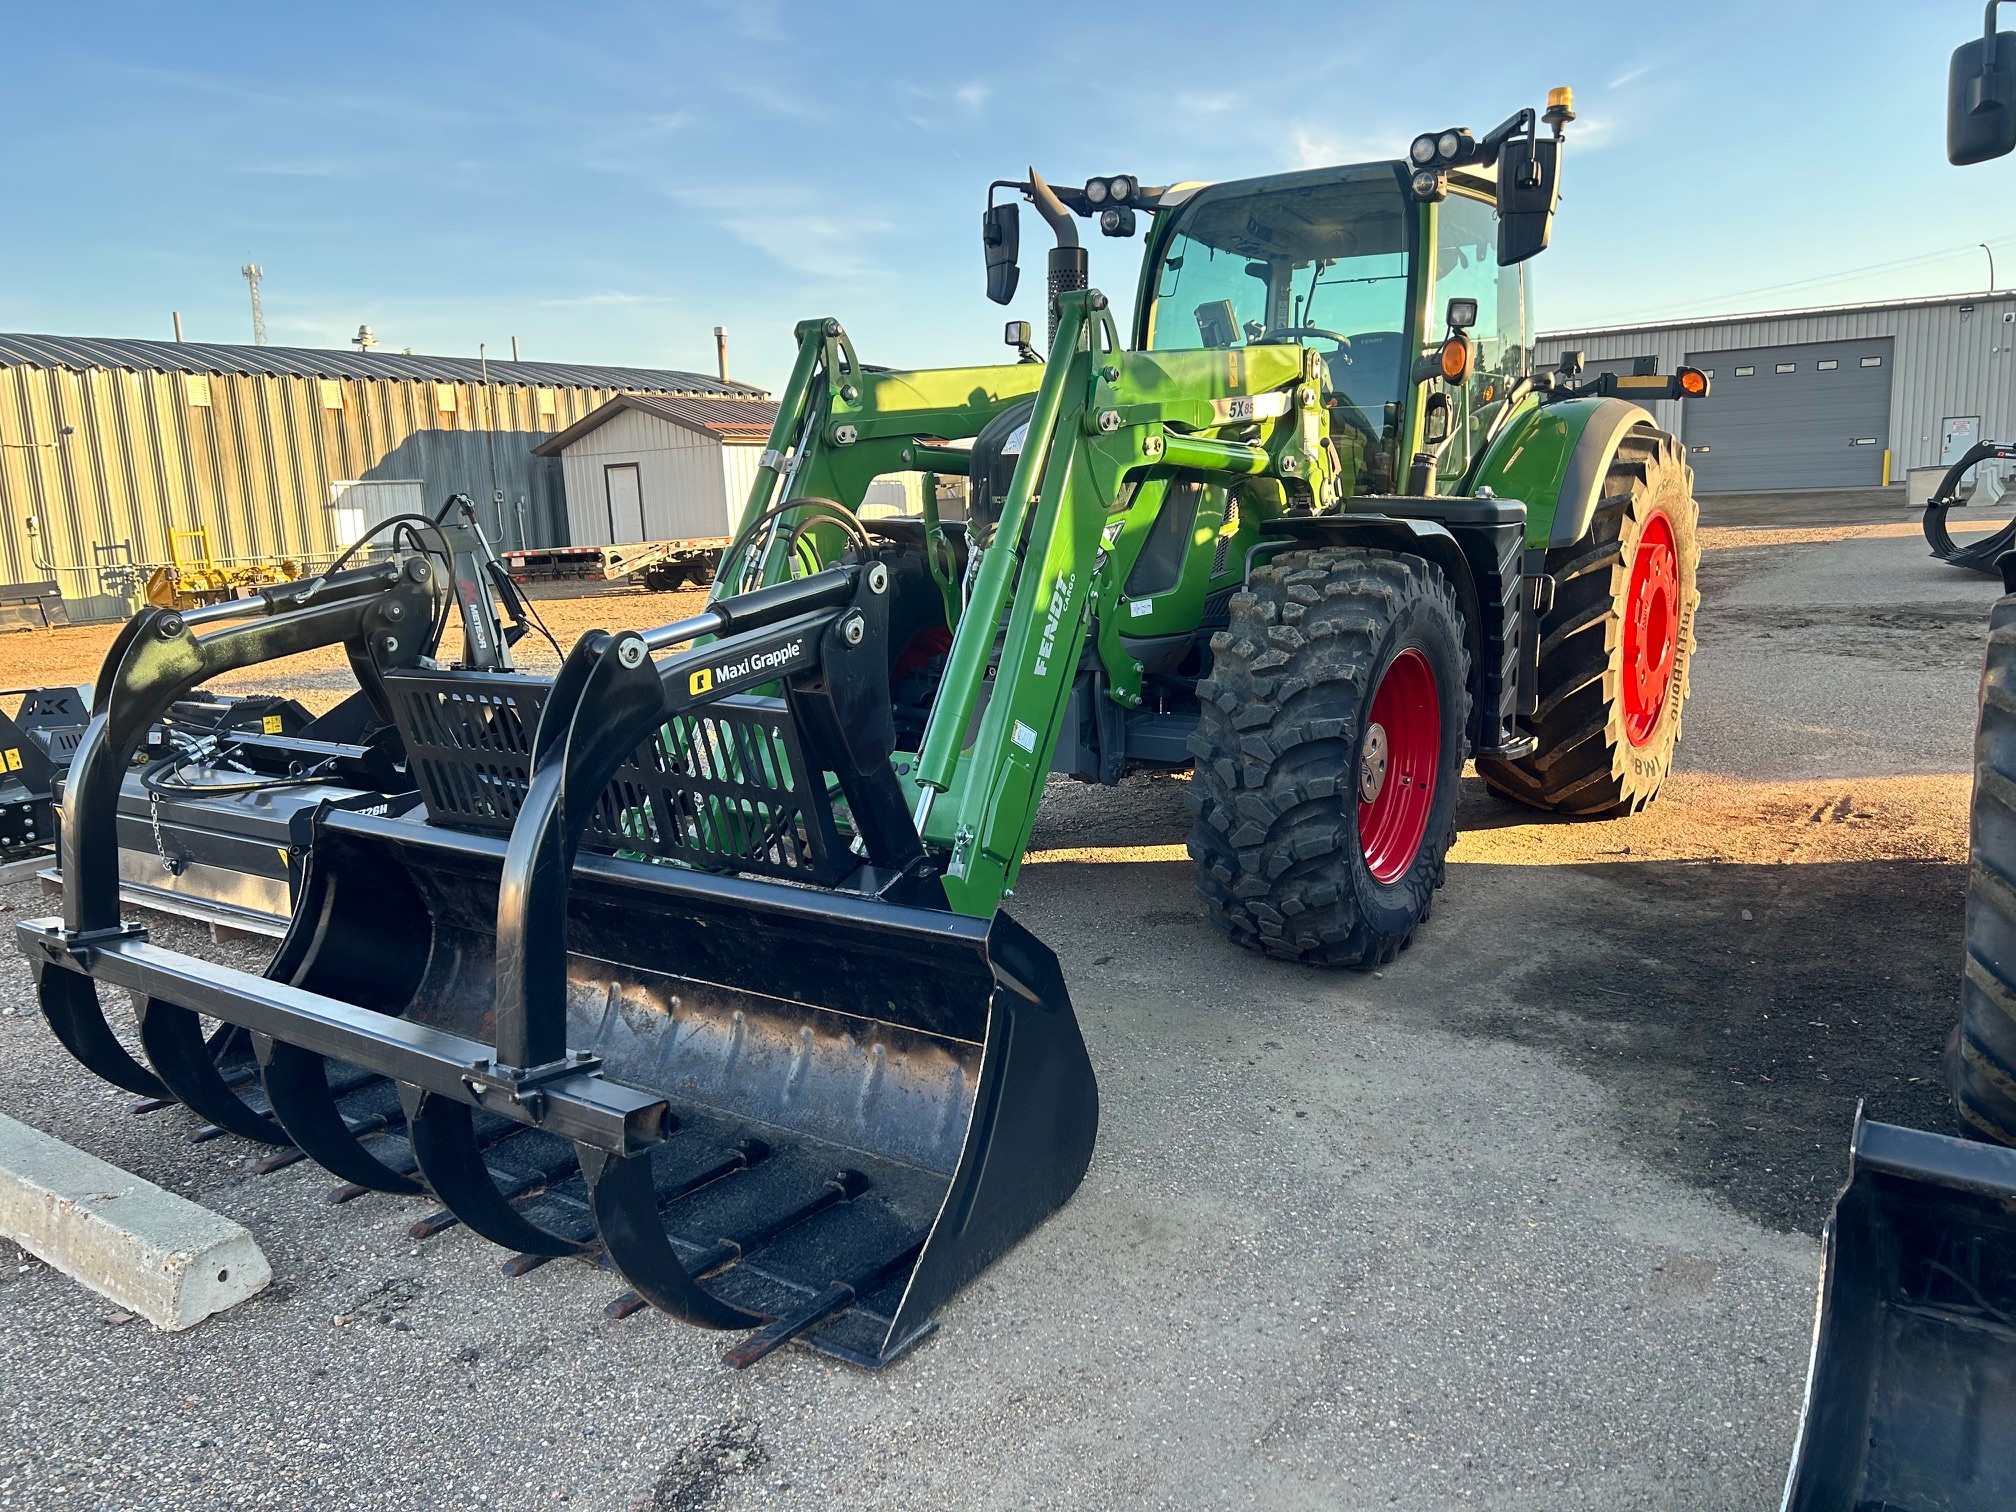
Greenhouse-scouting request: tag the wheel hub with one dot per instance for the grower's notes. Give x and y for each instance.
(1372, 764)
(1651, 629)
(1397, 762)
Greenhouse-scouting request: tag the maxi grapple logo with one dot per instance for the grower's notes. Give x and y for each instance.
(757, 664)
(1046, 648)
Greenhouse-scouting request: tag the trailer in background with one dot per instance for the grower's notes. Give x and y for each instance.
(657, 566)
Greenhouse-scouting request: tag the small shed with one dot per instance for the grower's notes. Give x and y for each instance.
(657, 467)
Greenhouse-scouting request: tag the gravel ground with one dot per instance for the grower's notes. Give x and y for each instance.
(1525, 1221)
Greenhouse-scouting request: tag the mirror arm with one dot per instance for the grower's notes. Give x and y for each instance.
(1520, 120)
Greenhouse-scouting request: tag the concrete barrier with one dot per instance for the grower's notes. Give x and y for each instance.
(153, 1253)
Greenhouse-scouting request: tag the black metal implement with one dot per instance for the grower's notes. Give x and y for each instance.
(818, 1110)
(377, 613)
(1911, 1397)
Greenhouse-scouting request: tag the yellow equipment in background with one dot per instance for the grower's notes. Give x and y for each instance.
(193, 576)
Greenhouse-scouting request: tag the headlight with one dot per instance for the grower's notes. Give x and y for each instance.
(1122, 189)
(1448, 145)
(1423, 150)
(1427, 185)
(1095, 191)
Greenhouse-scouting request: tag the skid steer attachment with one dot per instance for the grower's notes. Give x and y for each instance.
(810, 1110)
(1911, 1398)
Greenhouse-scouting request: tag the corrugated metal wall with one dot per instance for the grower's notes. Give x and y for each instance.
(1956, 358)
(253, 464)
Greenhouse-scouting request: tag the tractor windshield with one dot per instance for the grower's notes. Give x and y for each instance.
(1321, 259)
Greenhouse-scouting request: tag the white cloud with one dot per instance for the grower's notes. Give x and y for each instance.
(797, 230)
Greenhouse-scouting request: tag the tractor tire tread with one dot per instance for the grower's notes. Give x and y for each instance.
(1582, 764)
(1273, 795)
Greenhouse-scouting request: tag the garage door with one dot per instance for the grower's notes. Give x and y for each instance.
(1807, 416)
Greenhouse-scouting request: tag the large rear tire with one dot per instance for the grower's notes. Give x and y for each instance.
(1981, 1064)
(1616, 647)
(1329, 752)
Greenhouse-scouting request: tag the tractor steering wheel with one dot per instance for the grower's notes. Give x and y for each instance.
(1282, 335)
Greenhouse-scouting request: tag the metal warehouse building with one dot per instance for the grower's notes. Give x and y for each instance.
(1851, 396)
(108, 446)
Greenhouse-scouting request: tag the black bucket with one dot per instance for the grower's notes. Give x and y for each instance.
(869, 1102)
(1911, 1399)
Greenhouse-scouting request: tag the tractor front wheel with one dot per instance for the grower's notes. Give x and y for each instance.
(1615, 648)
(1329, 751)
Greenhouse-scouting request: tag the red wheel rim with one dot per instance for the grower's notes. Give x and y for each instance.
(1397, 761)
(1651, 628)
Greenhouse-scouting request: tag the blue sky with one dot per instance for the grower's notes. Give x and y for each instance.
(610, 183)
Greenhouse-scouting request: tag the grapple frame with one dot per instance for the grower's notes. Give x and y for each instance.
(814, 1112)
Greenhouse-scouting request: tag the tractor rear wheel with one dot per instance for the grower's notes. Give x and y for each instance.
(1329, 751)
(1981, 1059)
(1615, 648)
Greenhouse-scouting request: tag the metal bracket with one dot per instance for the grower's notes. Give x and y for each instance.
(522, 1084)
(58, 943)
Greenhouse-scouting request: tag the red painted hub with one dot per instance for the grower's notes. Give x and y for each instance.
(1651, 629)
(1397, 759)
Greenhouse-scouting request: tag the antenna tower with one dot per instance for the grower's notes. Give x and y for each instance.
(253, 273)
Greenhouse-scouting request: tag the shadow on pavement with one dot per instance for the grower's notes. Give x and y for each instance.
(1738, 1012)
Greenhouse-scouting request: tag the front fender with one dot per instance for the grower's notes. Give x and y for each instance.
(1554, 457)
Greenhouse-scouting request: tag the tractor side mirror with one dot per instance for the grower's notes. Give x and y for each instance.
(1001, 236)
(1436, 418)
(1218, 323)
(1529, 187)
(1981, 98)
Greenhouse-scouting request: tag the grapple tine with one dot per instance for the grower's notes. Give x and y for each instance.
(444, 1142)
(174, 1041)
(297, 1084)
(70, 1004)
(626, 1215)
(836, 1298)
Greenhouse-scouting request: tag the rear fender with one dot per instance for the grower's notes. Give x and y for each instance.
(1554, 457)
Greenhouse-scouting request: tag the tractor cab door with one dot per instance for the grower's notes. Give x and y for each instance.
(1466, 267)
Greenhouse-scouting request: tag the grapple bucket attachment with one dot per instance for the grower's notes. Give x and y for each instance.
(1911, 1398)
(812, 1107)
(865, 1102)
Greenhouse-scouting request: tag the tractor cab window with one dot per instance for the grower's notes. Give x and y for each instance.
(1466, 267)
(1321, 260)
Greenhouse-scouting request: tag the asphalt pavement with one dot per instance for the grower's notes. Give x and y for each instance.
(1526, 1221)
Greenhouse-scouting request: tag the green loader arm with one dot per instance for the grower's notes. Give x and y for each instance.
(1110, 431)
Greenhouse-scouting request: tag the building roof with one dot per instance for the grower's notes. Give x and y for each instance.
(1752, 316)
(742, 420)
(81, 353)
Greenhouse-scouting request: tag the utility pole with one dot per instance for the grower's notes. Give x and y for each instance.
(252, 273)
(1991, 265)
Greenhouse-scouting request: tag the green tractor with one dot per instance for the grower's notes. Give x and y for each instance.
(694, 961)
(1314, 528)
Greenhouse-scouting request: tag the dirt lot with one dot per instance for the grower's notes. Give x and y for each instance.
(1528, 1220)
